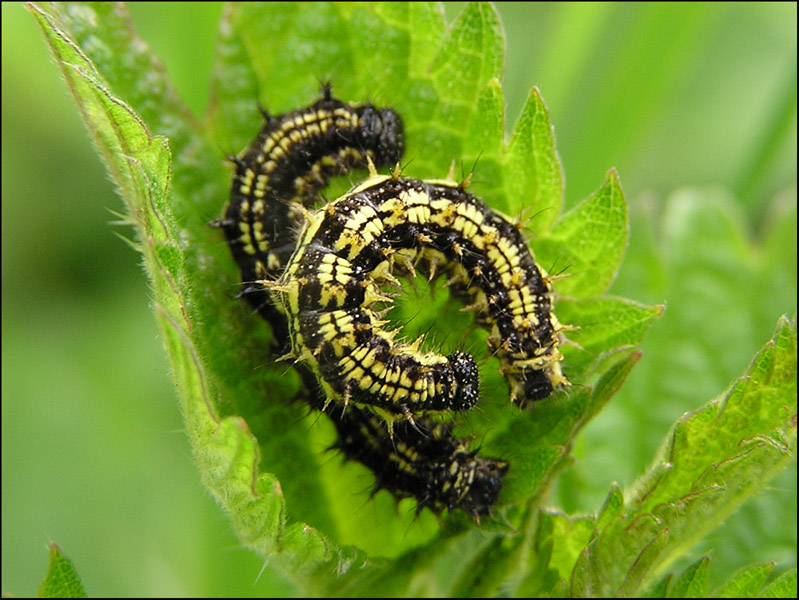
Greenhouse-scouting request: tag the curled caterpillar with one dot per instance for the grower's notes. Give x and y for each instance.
(284, 168)
(352, 246)
(276, 176)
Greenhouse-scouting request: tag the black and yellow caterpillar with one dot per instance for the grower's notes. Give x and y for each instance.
(284, 169)
(421, 460)
(276, 177)
(331, 291)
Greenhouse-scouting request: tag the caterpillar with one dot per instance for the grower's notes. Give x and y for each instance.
(422, 461)
(282, 171)
(330, 289)
(279, 174)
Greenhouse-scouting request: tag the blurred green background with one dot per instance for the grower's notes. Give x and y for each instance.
(694, 104)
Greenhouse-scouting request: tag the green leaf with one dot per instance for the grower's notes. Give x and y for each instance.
(588, 242)
(712, 461)
(608, 326)
(752, 417)
(487, 570)
(723, 288)
(62, 579)
(542, 578)
(103, 32)
(224, 448)
(612, 507)
(746, 582)
(660, 589)
(485, 143)
(693, 581)
(570, 535)
(782, 587)
(533, 174)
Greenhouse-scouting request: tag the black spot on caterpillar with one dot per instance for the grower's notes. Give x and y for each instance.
(284, 168)
(352, 246)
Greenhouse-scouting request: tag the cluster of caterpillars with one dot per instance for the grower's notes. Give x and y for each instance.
(317, 276)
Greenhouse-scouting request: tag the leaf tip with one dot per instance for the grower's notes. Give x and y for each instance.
(612, 177)
(242, 424)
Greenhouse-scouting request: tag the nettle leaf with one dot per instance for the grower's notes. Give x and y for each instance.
(693, 581)
(62, 580)
(589, 241)
(747, 582)
(713, 460)
(533, 176)
(783, 587)
(261, 455)
(183, 280)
